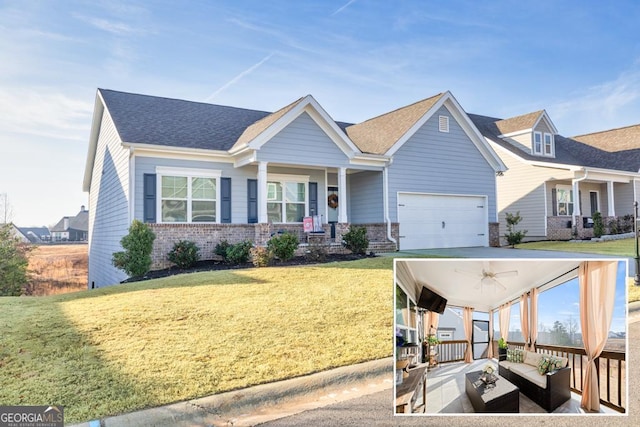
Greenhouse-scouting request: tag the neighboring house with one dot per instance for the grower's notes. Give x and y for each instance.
(35, 234)
(72, 228)
(557, 183)
(420, 176)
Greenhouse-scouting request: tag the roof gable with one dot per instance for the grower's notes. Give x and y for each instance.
(519, 123)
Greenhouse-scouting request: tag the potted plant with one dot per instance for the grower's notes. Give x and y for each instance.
(502, 349)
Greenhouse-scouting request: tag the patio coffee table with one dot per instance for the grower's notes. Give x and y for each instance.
(501, 396)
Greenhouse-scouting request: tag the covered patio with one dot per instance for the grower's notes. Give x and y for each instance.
(480, 294)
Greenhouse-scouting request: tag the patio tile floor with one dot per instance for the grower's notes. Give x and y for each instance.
(446, 392)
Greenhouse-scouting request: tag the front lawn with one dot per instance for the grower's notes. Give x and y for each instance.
(622, 247)
(139, 345)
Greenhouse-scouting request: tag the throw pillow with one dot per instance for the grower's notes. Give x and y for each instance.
(509, 355)
(520, 356)
(555, 363)
(543, 365)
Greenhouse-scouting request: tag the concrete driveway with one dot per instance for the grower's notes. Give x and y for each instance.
(482, 252)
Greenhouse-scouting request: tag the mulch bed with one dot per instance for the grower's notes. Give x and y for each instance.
(212, 265)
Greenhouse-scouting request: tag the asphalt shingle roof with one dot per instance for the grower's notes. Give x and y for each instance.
(514, 124)
(614, 140)
(155, 120)
(568, 150)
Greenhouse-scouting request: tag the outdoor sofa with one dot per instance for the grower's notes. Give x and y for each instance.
(548, 389)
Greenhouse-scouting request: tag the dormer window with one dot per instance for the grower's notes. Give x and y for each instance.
(537, 143)
(548, 144)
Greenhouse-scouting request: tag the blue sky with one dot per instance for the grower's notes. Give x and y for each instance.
(578, 60)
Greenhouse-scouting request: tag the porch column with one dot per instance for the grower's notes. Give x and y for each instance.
(611, 200)
(576, 198)
(262, 193)
(342, 191)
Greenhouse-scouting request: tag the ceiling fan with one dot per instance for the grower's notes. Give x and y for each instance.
(488, 277)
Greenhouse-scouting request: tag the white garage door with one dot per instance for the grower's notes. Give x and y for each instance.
(442, 221)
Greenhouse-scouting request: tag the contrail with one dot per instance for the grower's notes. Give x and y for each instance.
(343, 7)
(239, 76)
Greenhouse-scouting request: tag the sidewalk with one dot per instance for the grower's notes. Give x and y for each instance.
(254, 405)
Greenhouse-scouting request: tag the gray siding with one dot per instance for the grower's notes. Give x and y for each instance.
(303, 142)
(543, 127)
(238, 177)
(623, 198)
(108, 205)
(443, 163)
(366, 203)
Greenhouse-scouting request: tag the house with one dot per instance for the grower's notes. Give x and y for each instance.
(558, 183)
(34, 234)
(419, 176)
(72, 228)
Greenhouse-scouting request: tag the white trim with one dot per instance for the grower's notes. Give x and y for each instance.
(546, 208)
(533, 143)
(284, 179)
(565, 187)
(443, 124)
(611, 202)
(597, 201)
(544, 116)
(187, 173)
(552, 144)
(180, 153)
(132, 186)
(515, 133)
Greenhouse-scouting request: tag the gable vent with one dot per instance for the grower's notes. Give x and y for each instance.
(443, 124)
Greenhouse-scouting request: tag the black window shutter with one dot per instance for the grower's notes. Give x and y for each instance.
(579, 202)
(225, 200)
(149, 190)
(554, 202)
(252, 201)
(313, 198)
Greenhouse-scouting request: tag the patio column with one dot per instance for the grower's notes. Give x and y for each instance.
(342, 191)
(576, 198)
(262, 193)
(611, 211)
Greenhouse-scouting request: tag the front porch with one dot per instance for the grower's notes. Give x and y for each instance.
(581, 227)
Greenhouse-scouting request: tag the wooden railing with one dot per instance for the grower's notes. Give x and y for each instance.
(451, 351)
(610, 366)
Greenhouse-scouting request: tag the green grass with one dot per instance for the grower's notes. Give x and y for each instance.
(622, 247)
(139, 345)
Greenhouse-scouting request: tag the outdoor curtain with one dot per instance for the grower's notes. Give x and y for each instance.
(432, 322)
(467, 318)
(533, 315)
(597, 292)
(503, 314)
(524, 319)
(490, 351)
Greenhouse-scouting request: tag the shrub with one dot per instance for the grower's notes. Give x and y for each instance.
(356, 240)
(514, 237)
(627, 224)
(613, 226)
(261, 256)
(135, 260)
(598, 224)
(222, 248)
(283, 246)
(14, 261)
(184, 254)
(239, 253)
(317, 252)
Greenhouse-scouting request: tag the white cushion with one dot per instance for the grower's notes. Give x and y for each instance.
(530, 373)
(532, 358)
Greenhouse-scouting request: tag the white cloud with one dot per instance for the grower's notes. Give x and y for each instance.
(113, 27)
(239, 77)
(343, 7)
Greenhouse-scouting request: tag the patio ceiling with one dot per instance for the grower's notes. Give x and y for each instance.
(459, 281)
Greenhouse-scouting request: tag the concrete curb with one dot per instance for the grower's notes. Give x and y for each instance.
(265, 402)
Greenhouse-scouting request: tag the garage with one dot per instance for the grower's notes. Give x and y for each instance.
(442, 221)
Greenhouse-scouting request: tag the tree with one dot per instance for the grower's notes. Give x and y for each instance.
(135, 260)
(559, 334)
(14, 261)
(572, 328)
(598, 224)
(514, 237)
(6, 212)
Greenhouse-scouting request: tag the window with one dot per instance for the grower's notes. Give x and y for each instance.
(286, 198)
(406, 312)
(548, 144)
(564, 196)
(515, 328)
(537, 143)
(443, 124)
(188, 195)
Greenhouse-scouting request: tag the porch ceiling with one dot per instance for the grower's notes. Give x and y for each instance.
(459, 280)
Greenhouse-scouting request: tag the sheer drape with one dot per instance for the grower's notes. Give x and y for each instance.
(524, 319)
(533, 315)
(504, 314)
(490, 351)
(597, 292)
(433, 318)
(467, 318)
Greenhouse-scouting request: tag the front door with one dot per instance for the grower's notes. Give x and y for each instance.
(593, 199)
(332, 204)
(480, 339)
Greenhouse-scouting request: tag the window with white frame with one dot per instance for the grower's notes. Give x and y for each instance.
(188, 195)
(287, 198)
(406, 316)
(564, 198)
(548, 144)
(537, 143)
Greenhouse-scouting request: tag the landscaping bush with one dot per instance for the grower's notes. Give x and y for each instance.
(222, 248)
(613, 226)
(184, 254)
(598, 224)
(239, 253)
(317, 252)
(626, 225)
(514, 237)
(135, 260)
(356, 240)
(261, 256)
(283, 246)
(14, 262)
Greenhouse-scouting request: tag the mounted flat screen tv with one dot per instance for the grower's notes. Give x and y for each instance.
(431, 301)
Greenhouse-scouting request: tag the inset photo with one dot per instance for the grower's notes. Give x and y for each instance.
(513, 336)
